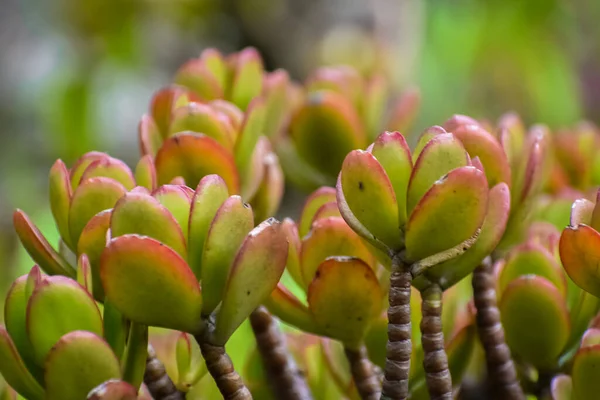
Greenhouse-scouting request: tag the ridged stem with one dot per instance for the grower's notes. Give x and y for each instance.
(500, 365)
(286, 379)
(399, 345)
(221, 368)
(435, 360)
(160, 386)
(365, 378)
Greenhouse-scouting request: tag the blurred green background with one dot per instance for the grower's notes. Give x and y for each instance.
(77, 75)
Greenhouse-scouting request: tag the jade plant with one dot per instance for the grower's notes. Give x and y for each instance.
(161, 264)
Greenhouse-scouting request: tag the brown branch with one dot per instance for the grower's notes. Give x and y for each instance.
(221, 368)
(160, 386)
(500, 366)
(399, 345)
(365, 378)
(435, 360)
(287, 380)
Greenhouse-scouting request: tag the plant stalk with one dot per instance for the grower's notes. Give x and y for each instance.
(435, 359)
(136, 354)
(160, 386)
(286, 379)
(500, 366)
(399, 345)
(221, 368)
(365, 379)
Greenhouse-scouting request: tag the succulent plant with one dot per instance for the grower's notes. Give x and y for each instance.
(342, 111)
(341, 281)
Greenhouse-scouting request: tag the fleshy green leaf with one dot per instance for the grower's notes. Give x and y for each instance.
(15, 372)
(227, 232)
(586, 363)
(84, 273)
(110, 167)
(143, 214)
(196, 75)
(245, 147)
(393, 153)
(581, 212)
(371, 198)
(91, 243)
(178, 200)
(247, 77)
(440, 155)
(145, 173)
(344, 298)
(293, 262)
(60, 199)
(147, 281)
(67, 378)
(257, 268)
(330, 237)
(164, 101)
(210, 194)
(325, 129)
(276, 102)
(58, 306)
(202, 118)
(91, 197)
(448, 214)
(289, 309)
(38, 247)
(81, 165)
(579, 253)
(149, 136)
(267, 198)
(561, 387)
(193, 156)
(313, 202)
(533, 302)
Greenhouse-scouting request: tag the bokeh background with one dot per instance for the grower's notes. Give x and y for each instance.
(77, 75)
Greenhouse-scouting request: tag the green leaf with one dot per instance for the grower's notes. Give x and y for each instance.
(215, 63)
(164, 101)
(448, 214)
(269, 194)
(532, 301)
(14, 370)
(145, 173)
(91, 243)
(81, 165)
(116, 328)
(60, 199)
(59, 305)
(579, 253)
(247, 77)
(393, 153)
(143, 214)
(196, 75)
(293, 261)
(246, 151)
(78, 363)
(178, 200)
(531, 258)
(344, 298)
(149, 136)
(15, 313)
(202, 118)
(581, 212)
(91, 197)
(330, 237)
(283, 304)
(459, 350)
(371, 198)
(374, 104)
(113, 390)
(210, 194)
(585, 373)
(257, 268)
(440, 155)
(312, 204)
(146, 281)
(325, 129)
(227, 232)
(480, 143)
(276, 101)
(450, 272)
(84, 273)
(193, 156)
(38, 247)
(110, 167)
(134, 359)
(298, 171)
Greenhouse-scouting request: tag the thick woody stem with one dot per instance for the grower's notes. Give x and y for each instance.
(500, 366)
(399, 345)
(220, 367)
(366, 380)
(284, 375)
(160, 386)
(435, 360)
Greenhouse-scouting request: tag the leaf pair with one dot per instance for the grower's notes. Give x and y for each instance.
(338, 275)
(165, 249)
